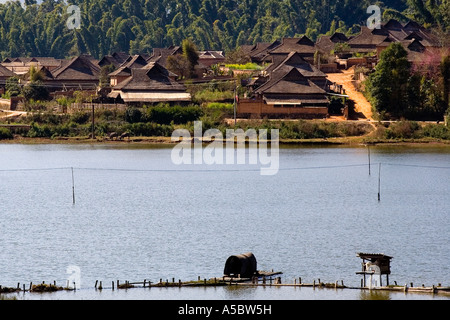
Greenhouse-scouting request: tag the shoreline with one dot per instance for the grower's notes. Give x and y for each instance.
(155, 140)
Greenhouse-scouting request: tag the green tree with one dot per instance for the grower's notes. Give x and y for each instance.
(387, 86)
(190, 53)
(12, 86)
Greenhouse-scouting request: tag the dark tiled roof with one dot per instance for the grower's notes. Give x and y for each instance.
(5, 73)
(289, 81)
(327, 43)
(392, 31)
(294, 59)
(132, 62)
(78, 68)
(300, 45)
(153, 77)
(160, 55)
(261, 49)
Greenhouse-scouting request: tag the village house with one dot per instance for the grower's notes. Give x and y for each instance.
(22, 65)
(124, 70)
(160, 55)
(210, 57)
(150, 84)
(303, 45)
(289, 87)
(327, 44)
(5, 74)
(415, 39)
(78, 73)
(259, 51)
(116, 59)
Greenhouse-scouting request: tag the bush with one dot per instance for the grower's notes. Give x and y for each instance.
(80, 117)
(5, 134)
(165, 114)
(149, 129)
(436, 131)
(402, 130)
(133, 115)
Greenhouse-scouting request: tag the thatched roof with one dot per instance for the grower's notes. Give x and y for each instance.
(160, 55)
(327, 43)
(289, 81)
(78, 68)
(5, 72)
(153, 77)
(294, 59)
(302, 45)
(115, 59)
(393, 30)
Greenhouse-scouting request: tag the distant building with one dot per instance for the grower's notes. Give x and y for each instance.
(115, 59)
(150, 84)
(289, 87)
(22, 65)
(412, 36)
(5, 74)
(123, 71)
(78, 73)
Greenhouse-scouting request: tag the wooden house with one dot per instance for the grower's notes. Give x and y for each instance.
(258, 52)
(5, 74)
(294, 59)
(210, 57)
(78, 73)
(116, 59)
(22, 65)
(287, 93)
(303, 45)
(150, 84)
(124, 70)
(160, 55)
(373, 41)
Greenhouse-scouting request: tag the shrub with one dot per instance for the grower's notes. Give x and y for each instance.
(149, 129)
(165, 114)
(5, 134)
(80, 117)
(133, 115)
(402, 130)
(436, 131)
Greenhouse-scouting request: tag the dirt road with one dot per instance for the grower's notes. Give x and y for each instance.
(363, 108)
(11, 114)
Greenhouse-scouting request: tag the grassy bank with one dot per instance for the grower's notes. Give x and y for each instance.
(156, 124)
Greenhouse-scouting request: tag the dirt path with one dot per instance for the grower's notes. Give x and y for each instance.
(363, 108)
(11, 114)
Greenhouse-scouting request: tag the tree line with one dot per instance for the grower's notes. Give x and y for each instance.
(138, 26)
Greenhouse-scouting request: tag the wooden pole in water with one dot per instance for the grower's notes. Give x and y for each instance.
(379, 181)
(368, 151)
(73, 187)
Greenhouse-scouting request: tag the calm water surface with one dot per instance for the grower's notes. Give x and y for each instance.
(138, 216)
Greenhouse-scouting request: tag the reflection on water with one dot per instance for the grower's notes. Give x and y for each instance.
(374, 295)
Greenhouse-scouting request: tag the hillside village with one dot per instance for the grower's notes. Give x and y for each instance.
(291, 78)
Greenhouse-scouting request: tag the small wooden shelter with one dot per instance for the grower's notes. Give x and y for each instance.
(375, 264)
(242, 265)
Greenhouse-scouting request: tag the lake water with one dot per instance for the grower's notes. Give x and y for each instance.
(139, 216)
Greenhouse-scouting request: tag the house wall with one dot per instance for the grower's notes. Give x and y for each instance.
(257, 108)
(329, 67)
(14, 103)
